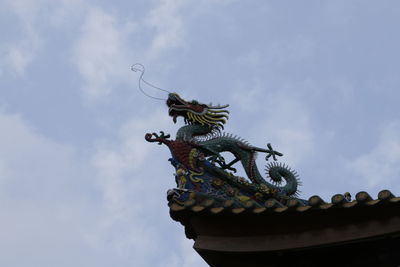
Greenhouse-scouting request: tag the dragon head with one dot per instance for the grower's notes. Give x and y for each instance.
(194, 112)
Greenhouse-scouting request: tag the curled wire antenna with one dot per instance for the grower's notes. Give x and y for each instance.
(137, 67)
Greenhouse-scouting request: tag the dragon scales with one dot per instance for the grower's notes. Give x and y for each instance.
(202, 170)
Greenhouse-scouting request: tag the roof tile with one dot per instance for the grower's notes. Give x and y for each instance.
(273, 205)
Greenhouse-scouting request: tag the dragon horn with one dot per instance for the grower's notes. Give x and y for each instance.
(218, 111)
(219, 106)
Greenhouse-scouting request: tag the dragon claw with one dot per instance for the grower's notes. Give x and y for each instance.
(272, 153)
(164, 136)
(221, 162)
(159, 138)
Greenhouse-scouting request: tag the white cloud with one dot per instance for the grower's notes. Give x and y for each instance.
(290, 130)
(116, 160)
(65, 12)
(170, 19)
(101, 53)
(58, 209)
(245, 99)
(18, 54)
(133, 176)
(381, 166)
(20, 144)
(21, 54)
(108, 45)
(43, 209)
(168, 22)
(281, 119)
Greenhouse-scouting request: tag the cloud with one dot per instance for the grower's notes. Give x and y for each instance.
(63, 209)
(18, 54)
(380, 167)
(168, 24)
(290, 129)
(114, 160)
(101, 53)
(133, 177)
(108, 45)
(21, 145)
(44, 210)
(280, 117)
(171, 18)
(66, 12)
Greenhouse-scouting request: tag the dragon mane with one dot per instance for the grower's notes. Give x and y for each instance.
(197, 113)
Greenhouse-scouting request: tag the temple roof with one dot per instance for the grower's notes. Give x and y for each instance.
(242, 221)
(293, 232)
(203, 204)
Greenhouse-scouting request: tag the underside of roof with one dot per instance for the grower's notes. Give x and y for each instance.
(232, 234)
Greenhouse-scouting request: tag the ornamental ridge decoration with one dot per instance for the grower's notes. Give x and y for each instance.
(201, 170)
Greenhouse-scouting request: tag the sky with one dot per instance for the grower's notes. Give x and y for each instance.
(79, 186)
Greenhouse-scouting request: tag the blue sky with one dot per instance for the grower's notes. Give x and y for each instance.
(79, 186)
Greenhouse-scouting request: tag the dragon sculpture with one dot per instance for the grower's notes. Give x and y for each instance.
(201, 170)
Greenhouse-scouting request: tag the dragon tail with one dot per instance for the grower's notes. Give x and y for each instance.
(278, 172)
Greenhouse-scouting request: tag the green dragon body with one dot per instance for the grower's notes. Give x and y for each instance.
(201, 140)
(215, 143)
